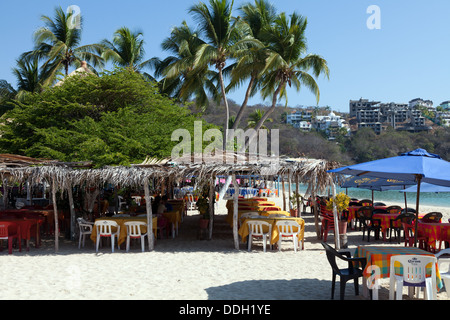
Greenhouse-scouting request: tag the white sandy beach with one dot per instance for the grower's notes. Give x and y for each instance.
(183, 268)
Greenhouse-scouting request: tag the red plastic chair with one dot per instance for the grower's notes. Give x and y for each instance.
(327, 220)
(409, 236)
(327, 225)
(9, 231)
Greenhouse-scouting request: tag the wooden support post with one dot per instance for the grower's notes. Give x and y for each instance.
(316, 212)
(289, 190)
(297, 194)
(336, 221)
(212, 198)
(235, 212)
(55, 213)
(72, 213)
(148, 206)
(5, 194)
(284, 195)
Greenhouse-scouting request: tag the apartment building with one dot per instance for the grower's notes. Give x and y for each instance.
(378, 116)
(300, 119)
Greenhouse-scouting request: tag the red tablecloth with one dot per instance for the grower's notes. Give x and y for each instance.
(433, 231)
(28, 228)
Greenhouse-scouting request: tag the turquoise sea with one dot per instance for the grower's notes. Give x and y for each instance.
(426, 198)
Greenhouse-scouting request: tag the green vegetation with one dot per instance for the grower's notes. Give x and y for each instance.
(117, 118)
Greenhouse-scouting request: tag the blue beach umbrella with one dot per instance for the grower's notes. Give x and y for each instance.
(375, 184)
(426, 187)
(372, 183)
(416, 166)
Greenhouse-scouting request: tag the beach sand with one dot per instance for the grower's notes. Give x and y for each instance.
(184, 268)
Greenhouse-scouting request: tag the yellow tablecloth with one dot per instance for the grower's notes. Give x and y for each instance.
(267, 213)
(123, 229)
(173, 216)
(243, 230)
(259, 210)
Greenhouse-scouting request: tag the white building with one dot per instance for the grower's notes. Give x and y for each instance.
(443, 118)
(300, 119)
(445, 105)
(329, 123)
(419, 101)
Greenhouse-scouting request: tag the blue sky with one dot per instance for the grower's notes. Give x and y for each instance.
(409, 57)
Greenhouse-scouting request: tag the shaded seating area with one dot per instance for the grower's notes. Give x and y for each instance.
(67, 181)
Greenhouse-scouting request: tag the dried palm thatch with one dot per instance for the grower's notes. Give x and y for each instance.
(203, 168)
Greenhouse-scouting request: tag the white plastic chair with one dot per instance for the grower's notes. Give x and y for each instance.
(85, 229)
(445, 276)
(414, 275)
(190, 202)
(104, 229)
(134, 232)
(256, 229)
(286, 229)
(120, 202)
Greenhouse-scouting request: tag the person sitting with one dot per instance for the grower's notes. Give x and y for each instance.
(165, 201)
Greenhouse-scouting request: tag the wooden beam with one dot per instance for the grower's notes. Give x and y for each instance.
(148, 206)
(235, 212)
(212, 198)
(55, 213)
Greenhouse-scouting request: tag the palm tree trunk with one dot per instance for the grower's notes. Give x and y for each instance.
(227, 114)
(264, 117)
(244, 104)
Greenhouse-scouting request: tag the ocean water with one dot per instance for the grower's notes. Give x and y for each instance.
(426, 198)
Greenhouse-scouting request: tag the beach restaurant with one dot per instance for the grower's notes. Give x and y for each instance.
(64, 177)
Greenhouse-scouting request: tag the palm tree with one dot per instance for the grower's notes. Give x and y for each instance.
(287, 63)
(255, 117)
(29, 79)
(182, 80)
(7, 93)
(223, 36)
(58, 44)
(251, 62)
(127, 50)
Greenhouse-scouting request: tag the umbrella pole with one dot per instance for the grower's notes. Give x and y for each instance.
(419, 178)
(406, 205)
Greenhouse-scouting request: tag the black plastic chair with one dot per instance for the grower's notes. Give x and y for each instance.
(432, 217)
(382, 211)
(366, 202)
(394, 209)
(376, 204)
(407, 218)
(408, 210)
(365, 218)
(345, 274)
